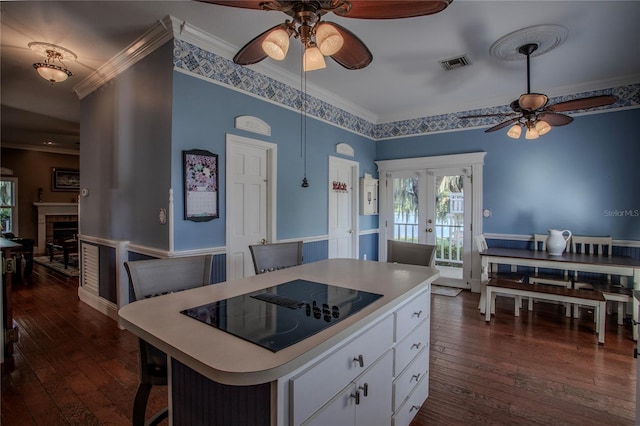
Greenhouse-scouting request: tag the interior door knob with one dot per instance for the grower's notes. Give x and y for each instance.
(263, 241)
(429, 229)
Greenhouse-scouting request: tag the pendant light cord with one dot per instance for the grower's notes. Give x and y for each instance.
(303, 120)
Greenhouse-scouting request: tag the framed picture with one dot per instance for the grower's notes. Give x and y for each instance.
(200, 185)
(65, 180)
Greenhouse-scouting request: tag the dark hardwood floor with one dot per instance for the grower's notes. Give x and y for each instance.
(74, 366)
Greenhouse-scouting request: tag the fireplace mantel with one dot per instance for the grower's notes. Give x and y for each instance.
(51, 209)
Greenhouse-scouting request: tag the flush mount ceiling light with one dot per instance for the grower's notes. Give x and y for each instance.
(52, 69)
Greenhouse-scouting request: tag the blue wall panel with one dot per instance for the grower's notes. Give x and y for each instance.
(201, 121)
(369, 246)
(581, 177)
(315, 251)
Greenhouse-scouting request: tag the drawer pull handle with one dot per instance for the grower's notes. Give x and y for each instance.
(356, 396)
(360, 360)
(365, 389)
(414, 407)
(417, 313)
(415, 376)
(416, 345)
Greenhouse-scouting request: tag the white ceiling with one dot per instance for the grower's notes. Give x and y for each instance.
(405, 79)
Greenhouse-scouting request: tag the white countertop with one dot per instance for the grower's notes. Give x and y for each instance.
(227, 359)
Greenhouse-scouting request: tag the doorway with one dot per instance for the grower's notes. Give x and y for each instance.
(437, 201)
(343, 217)
(250, 200)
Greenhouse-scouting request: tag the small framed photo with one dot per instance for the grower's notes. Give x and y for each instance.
(65, 179)
(200, 185)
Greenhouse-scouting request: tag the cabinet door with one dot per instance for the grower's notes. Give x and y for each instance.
(375, 394)
(339, 411)
(365, 402)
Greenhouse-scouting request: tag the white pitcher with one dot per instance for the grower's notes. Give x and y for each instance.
(556, 243)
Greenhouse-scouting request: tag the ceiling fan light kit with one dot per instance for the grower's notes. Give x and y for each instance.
(276, 44)
(323, 37)
(328, 38)
(313, 59)
(531, 110)
(52, 69)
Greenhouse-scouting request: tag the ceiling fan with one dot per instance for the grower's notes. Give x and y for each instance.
(531, 113)
(322, 38)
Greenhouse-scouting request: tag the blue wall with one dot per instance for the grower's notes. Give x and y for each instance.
(576, 177)
(203, 112)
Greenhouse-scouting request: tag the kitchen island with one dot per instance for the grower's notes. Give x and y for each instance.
(376, 357)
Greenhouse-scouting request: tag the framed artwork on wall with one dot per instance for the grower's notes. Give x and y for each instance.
(200, 185)
(65, 179)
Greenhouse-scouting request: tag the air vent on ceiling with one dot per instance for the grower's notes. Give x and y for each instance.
(457, 62)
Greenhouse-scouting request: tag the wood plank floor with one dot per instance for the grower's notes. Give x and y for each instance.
(74, 366)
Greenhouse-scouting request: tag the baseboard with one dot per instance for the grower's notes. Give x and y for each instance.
(98, 303)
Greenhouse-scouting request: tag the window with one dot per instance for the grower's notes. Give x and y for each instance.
(9, 204)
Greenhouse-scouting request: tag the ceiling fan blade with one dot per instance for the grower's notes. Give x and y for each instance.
(252, 52)
(500, 114)
(555, 119)
(584, 103)
(244, 4)
(354, 54)
(382, 9)
(502, 125)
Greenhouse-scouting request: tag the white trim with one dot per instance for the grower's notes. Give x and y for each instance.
(252, 124)
(369, 231)
(152, 39)
(40, 148)
(345, 149)
(171, 222)
(163, 254)
(435, 162)
(98, 303)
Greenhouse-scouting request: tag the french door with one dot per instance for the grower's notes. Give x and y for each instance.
(443, 199)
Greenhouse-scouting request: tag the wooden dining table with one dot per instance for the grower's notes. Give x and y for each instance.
(623, 266)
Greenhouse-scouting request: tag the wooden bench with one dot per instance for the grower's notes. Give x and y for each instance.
(590, 298)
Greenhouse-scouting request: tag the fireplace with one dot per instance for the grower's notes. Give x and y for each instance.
(60, 228)
(57, 222)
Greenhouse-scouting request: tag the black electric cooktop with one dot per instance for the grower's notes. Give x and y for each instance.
(278, 317)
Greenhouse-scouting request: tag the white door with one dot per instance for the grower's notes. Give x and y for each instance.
(343, 221)
(250, 196)
(449, 224)
(432, 207)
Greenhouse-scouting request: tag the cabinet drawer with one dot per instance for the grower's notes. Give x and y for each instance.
(410, 408)
(320, 382)
(410, 377)
(408, 316)
(410, 346)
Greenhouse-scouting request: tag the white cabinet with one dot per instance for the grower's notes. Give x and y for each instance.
(380, 377)
(324, 379)
(365, 402)
(411, 363)
(368, 195)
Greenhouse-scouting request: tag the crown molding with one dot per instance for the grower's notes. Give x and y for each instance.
(40, 148)
(153, 38)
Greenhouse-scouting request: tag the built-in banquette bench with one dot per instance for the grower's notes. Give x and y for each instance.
(590, 298)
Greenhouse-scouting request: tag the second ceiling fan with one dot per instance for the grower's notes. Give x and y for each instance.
(531, 112)
(321, 38)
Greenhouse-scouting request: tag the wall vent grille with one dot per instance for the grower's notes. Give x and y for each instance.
(90, 255)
